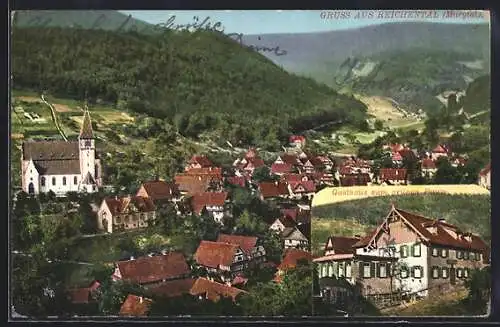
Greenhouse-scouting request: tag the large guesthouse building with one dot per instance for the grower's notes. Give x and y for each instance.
(62, 166)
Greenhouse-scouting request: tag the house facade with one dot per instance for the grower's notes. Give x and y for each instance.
(294, 238)
(125, 213)
(216, 205)
(62, 166)
(254, 252)
(221, 257)
(393, 176)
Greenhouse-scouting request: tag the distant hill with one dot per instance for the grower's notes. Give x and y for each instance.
(478, 95)
(311, 53)
(199, 82)
(86, 19)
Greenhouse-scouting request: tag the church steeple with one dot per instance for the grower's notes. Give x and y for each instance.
(86, 131)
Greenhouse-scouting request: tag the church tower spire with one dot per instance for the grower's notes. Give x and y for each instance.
(86, 131)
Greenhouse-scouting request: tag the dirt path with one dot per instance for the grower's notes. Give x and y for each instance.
(54, 118)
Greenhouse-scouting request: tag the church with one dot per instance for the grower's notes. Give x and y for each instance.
(62, 166)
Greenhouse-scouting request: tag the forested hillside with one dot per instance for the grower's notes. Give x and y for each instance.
(199, 81)
(478, 95)
(412, 77)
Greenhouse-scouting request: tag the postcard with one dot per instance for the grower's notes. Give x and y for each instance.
(277, 163)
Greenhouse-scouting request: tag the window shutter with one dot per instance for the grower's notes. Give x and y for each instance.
(401, 251)
(413, 250)
(377, 270)
(372, 269)
(412, 272)
(361, 269)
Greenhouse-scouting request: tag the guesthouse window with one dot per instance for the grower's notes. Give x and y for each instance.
(444, 253)
(444, 272)
(43, 181)
(435, 252)
(404, 272)
(348, 270)
(416, 250)
(466, 255)
(64, 180)
(417, 272)
(466, 272)
(404, 251)
(382, 270)
(435, 272)
(341, 269)
(367, 270)
(53, 181)
(460, 272)
(460, 254)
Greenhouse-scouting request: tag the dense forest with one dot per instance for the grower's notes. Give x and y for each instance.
(413, 77)
(201, 81)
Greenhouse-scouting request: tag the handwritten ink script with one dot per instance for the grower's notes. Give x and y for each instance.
(196, 25)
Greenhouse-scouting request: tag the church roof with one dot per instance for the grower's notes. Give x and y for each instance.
(86, 131)
(50, 150)
(58, 167)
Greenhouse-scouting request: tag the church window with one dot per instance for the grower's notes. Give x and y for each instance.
(88, 143)
(42, 181)
(64, 180)
(75, 180)
(53, 181)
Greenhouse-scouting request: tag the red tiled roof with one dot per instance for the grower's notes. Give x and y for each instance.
(255, 162)
(173, 288)
(135, 306)
(120, 205)
(273, 189)
(441, 237)
(396, 156)
(291, 257)
(407, 153)
(309, 186)
(287, 221)
(214, 254)
(212, 171)
(439, 149)
(395, 147)
(201, 200)
(428, 164)
(292, 177)
(296, 138)
(290, 159)
(79, 295)
(393, 174)
(290, 212)
(341, 245)
(193, 184)
(251, 153)
(246, 243)
(277, 168)
(355, 180)
(485, 170)
(213, 290)
(159, 190)
(203, 161)
(237, 180)
(152, 269)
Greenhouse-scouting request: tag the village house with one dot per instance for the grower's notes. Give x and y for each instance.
(353, 165)
(300, 213)
(431, 254)
(198, 162)
(62, 166)
(206, 289)
(190, 184)
(281, 223)
(255, 252)
(359, 179)
(484, 179)
(247, 164)
(291, 159)
(240, 181)
(154, 270)
(323, 178)
(295, 238)
(172, 288)
(302, 189)
(297, 141)
(291, 258)
(159, 191)
(428, 168)
(82, 296)
(216, 204)
(273, 190)
(393, 176)
(439, 151)
(220, 257)
(130, 212)
(281, 169)
(135, 306)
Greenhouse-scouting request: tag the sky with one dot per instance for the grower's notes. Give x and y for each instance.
(301, 21)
